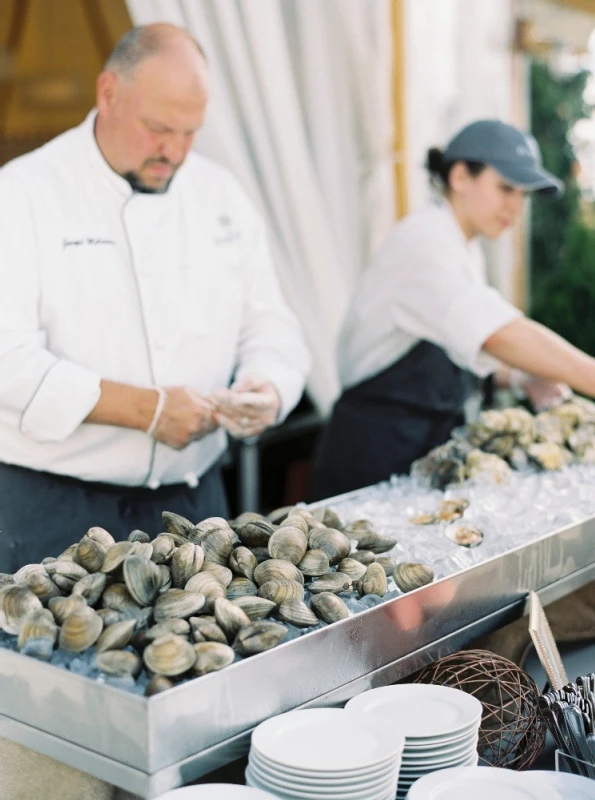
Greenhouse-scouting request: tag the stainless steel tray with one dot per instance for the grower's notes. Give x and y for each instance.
(150, 745)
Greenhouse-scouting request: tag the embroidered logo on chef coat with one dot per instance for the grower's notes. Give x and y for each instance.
(225, 232)
(87, 241)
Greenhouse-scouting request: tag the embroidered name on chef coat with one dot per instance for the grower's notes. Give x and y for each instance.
(87, 241)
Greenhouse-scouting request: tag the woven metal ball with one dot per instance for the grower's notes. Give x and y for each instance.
(512, 732)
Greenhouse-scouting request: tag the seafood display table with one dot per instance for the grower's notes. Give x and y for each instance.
(150, 745)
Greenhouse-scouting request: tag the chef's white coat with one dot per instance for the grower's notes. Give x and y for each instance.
(97, 281)
(427, 282)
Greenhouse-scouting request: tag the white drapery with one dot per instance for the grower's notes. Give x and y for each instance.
(301, 112)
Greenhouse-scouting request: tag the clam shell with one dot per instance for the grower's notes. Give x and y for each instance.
(388, 564)
(350, 566)
(143, 579)
(158, 684)
(6, 579)
(62, 607)
(65, 573)
(464, 535)
(118, 597)
(176, 523)
(186, 562)
(170, 655)
(277, 515)
(177, 603)
(333, 582)
(165, 577)
(241, 587)
(288, 544)
(16, 603)
(36, 577)
(101, 535)
(90, 554)
(91, 587)
(376, 543)
(297, 613)
(80, 630)
(243, 562)
(245, 517)
(314, 563)
(211, 656)
(223, 574)
(334, 543)
(295, 521)
(209, 586)
(217, 545)
(258, 637)
(410, 575)
(329, 607)
(143, 549)
(328, 517)
(373, 582)
(230, 617)
(67, 554)
(139, 536)
(203, 630)
(365, 557)
(108, 615)
(164, 547)
(256, 533)
(38, 624)
(119, 662)
(114, 558)
(211, 523)
(276, 568)
(358, 528)
(260, 554)
(255, 607)
(280, 590)
(116, 636)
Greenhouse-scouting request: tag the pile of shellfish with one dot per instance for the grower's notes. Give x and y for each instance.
(513, 438)
(196, 597)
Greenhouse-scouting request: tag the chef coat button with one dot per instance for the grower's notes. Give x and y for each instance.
(153, 483)
(191, 479)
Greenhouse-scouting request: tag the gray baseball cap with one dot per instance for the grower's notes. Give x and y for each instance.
(513, 154)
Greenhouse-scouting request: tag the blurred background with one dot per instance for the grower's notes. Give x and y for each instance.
(325, 111)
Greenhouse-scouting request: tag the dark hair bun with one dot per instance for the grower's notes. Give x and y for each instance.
(435, 161)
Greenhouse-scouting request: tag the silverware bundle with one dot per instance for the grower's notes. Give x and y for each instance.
(570, 715)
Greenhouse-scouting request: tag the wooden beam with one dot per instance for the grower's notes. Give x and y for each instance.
(587, 6)
(17, 24)
(399, 106)
(100, 32)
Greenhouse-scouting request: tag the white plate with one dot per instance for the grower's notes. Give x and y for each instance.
(439, 763)
(413, 775)
(449, 751)
(420, 710)
(424, 743)
(570, 787)
(266, 777)
(323, 739)
(323, 774)
(321, 778)
(216, 791)
(299, 793)
(487, 783)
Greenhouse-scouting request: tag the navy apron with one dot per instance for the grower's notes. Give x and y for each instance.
(381, 426)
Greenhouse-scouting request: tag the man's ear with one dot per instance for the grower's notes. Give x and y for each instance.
(107, 84)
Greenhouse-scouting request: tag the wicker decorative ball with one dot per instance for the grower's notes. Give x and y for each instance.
(512, 732)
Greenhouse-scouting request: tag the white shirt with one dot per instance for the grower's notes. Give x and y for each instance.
(100, 282)
(427, 282)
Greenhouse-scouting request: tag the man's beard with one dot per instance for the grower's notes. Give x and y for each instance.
(137, 185)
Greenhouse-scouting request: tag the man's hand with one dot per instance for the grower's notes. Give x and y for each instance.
(251, 405)
(544, 394)
(186, 416)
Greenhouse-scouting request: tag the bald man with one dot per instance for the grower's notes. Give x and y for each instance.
(140, 318)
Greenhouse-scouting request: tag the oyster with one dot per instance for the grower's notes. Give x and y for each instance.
(548, 428)
(119, 662)
(80, 630)
(332, 582)
(297, 613)
(373, 581)
(451, 510)
(423, 519)
(480, 464)
(464, 535)
(170, 655)
(230, 617)
(288, 544)
(410, 575)
(329, 607)
(258, 637)
(334, 543)
(582, 442)
(442, 466)
(549, 455)
(211, 656)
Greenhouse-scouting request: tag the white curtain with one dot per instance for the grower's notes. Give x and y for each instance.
(301, 113)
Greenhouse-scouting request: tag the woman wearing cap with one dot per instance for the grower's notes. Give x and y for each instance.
(424, 327)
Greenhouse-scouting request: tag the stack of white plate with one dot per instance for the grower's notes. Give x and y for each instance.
(325, 753)
(216, 791)
(440, 725)
(494, 783)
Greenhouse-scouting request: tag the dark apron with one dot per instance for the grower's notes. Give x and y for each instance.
(381, 426)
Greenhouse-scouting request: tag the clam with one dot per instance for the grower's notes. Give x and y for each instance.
(80, 630)
(164, 547)
(118, 597)
(101, 535)
(241, 587)
(255, 607)
(165, 577)
(314, 563)
(350, 566)
(116, 636)
(90, 554)
(255, 534)
(62, 607)
(297, 613)
(203, 630)
(245, 517)
(365, 557)
(16, 603)
(139, 536)
(332, 582)
(358, 528)
(209, 586)
(114, 558)
(410, 575)
(217, 545)
(334, 543)
(276, 568)
(143, 579)
(177, 603)
(329, 607)
(186, 562)
(388, 564)
(277, 515)
(67, 554)
(376, 543)
(328, 517)
(143, 549)
(181, 627)
(65, 573)
(243, 562)
(91, 587)
(40, 630)
(288, 544)
(176, 523)
(258, 637)
(373, 582)
(158, 684)
(223, 574)
(108, 615)
(6, 579)
(295, 521)
(209, 524)
(230, 617)
(119, 662)
(170, 655)
(36, 577)
(464, 535)
(211, 656)
(280, 590)
(141, 616)
(260, 554)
